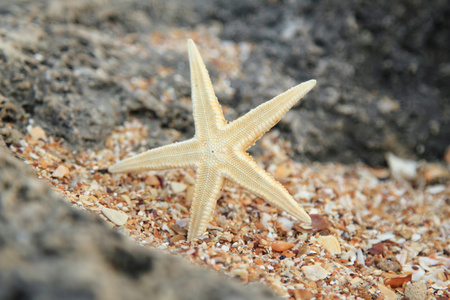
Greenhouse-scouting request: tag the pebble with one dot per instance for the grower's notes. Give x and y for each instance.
(416, 291)
(117, 217)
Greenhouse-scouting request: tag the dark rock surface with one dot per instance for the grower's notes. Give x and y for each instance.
(49, 250)
(382, 69)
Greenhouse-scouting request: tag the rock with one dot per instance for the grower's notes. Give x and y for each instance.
(50, 250)
(416, 291)
(374, 95)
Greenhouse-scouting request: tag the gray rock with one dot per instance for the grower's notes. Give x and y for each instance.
(49, 250)
(382, 69)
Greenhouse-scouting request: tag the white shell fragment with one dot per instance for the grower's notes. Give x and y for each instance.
(60, 171)
(315, 272)
(177, 187)
(330, 243)
(387, 292)
(117, 217)
(401, 168)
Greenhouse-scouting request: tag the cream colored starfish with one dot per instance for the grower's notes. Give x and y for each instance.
(218, 149)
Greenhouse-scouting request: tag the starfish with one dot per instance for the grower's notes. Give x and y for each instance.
(218, 149)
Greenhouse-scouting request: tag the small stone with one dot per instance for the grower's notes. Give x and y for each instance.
(37, 133)
(281, 246)
(315, 272)
(330, 243)
(416, 291)
(177, 187)
(388, 264)
(117, 217)
(60, 171)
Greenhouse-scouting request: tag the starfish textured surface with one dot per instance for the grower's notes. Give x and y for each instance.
(218, 149)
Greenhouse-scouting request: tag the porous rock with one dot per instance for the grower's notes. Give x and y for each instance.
(382, 70)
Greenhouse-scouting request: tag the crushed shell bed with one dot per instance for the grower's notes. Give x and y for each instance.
(372, 236)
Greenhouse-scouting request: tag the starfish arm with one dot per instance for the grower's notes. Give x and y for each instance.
(246, 130)
(177, 155)
(243, 170)
(207, 111)
(208, 184)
